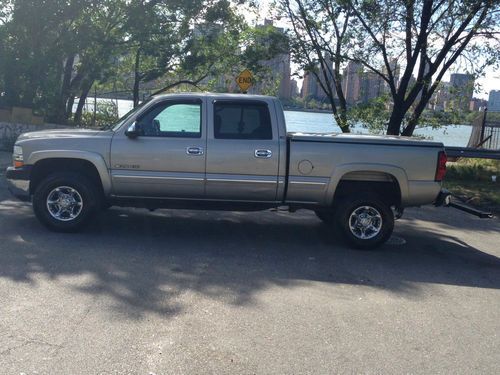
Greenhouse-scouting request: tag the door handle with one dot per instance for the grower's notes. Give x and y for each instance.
(264, 154)
(194, 151)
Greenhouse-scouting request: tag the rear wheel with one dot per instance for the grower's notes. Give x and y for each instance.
(64, 202)
(365, 220)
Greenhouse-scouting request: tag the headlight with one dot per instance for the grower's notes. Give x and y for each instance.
(18, 156)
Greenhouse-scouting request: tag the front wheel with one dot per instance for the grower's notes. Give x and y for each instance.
(64, 202)
(365, 221)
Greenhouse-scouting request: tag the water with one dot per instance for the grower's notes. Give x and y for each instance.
(313, 122)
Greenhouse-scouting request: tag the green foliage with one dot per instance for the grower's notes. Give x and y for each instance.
(105, 116)
(372, 115)
(55, 50)
(473, 170)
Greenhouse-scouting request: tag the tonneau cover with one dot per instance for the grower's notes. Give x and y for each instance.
(364, 139)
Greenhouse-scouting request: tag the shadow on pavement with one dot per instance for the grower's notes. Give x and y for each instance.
(143, 260)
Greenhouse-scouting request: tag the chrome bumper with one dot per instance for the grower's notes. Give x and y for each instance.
(18, 182)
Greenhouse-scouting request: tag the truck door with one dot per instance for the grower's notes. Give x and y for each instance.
(242, 151)
(168, 157)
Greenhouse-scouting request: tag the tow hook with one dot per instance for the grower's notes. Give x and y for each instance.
(445, 199)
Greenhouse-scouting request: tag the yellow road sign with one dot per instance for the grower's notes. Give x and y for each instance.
(245, 80)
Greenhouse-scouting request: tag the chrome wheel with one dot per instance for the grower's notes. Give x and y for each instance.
(365, 222)
(64, 203)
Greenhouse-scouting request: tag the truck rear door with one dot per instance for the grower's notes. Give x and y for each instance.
(242, 151)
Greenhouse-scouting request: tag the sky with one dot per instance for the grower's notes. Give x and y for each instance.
(490, 81)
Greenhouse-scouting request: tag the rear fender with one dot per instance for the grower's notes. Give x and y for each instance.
(396, 172)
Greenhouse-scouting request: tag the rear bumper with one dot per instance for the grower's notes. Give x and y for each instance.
(18, 182)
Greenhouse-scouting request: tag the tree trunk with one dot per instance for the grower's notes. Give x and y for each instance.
(396, 119)
(137, 77)
(81, 102)
(413, 122)
(69, 106)
(60, 113)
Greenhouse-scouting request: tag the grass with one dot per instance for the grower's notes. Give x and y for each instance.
(470, 179)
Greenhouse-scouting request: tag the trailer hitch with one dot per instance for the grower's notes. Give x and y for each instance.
(445, 199)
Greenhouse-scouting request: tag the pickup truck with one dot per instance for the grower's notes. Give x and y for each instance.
(225, 152)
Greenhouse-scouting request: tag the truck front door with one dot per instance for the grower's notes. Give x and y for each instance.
(167, 159)
(242, 151)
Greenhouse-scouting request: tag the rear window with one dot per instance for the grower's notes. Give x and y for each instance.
(242, 121)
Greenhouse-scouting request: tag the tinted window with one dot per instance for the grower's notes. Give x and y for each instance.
(242, 121)
(172, 120)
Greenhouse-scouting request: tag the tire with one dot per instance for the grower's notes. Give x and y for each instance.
(365, 220)
(327, 217)
(65, 201)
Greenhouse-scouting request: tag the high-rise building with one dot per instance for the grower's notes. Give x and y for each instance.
(477, 104)
(351, 84)
(461, 90)
(372, 86)
(494, 101)
(294, 88)
(309, 86)
(441, 97)
(279, 69)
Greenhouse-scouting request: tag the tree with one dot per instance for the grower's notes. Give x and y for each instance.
(320, 36)
(425, 38)
(165, 38)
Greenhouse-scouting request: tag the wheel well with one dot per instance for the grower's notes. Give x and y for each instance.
(43, 168)
(383, 184)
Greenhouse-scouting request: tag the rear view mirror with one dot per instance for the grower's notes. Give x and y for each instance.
(133, 130)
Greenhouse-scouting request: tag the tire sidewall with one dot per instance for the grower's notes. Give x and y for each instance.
(81, 184)
(349, 205)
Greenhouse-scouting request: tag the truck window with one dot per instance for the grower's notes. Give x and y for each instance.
(181, 120)
(242, 121)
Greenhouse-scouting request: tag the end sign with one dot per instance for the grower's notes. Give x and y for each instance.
(245, 80)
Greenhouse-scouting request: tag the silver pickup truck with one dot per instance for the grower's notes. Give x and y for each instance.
(225, 152)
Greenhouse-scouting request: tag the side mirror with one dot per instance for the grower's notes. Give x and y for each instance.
(133, 130)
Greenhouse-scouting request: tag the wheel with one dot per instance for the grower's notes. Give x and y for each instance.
(65, 201)
(365, 220)
(327, 217)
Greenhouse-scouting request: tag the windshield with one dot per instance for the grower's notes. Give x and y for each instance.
(124, 118)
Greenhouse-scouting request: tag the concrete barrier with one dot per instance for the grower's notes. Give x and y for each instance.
(10, 131)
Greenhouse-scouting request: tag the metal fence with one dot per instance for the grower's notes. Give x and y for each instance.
(486, 131)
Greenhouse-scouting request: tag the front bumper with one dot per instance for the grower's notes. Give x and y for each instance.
(18, 182)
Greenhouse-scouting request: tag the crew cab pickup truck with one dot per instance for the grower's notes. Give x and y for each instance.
(225, 152)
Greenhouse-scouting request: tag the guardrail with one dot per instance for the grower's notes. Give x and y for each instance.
(468, 152)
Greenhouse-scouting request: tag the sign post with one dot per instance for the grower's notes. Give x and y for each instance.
(245, 80)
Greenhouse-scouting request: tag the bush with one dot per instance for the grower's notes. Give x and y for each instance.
(473, 170)
(106, 114)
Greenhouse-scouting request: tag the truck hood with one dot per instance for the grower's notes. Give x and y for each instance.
(63, 133)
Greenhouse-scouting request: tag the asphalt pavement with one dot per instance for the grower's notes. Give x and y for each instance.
(187, 292)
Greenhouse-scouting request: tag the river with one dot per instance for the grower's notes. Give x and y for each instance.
(314, 122)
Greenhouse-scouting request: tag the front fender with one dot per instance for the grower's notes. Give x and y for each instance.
(92, 157)
(397, 173)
